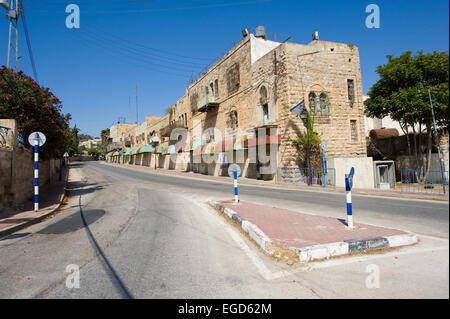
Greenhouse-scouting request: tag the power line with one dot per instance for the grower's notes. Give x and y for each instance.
(120, 43)
(130, 59)
(30, 51)
(150, 48)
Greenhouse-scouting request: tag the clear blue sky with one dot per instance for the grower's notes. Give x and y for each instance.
(159, 44)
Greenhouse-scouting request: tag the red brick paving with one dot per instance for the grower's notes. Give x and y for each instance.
(292, 229)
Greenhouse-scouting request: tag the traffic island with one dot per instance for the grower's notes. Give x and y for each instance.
(310, 237)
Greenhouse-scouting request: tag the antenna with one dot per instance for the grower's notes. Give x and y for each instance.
(129, 109)
(137, 113)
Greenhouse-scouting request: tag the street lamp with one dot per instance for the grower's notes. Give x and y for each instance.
(4, 4)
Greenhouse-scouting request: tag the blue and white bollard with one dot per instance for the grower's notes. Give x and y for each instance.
(36, 176)
(236, 198)
(348, 189)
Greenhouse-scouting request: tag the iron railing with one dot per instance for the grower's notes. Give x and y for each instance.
(307, 176)
(4, 135)
(422, 181)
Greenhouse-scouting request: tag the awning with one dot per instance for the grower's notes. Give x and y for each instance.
(241, 143)
(197, 144)
(276, 139)
(116, 153)
(171, 149)
(127, 151)
(162, 149)
(179, 149)
(135, 151)
(146, 149)
(209, 148)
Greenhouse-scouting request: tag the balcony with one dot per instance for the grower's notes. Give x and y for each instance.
(206, 103)
(165, 132)
(114, 146)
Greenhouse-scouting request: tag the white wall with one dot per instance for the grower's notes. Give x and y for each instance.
(363, 177)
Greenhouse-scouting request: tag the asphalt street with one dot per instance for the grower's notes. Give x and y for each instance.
(141, 235)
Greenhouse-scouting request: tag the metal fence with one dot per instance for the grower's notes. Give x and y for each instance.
(421, 181)
(3, 135)
(300, 176)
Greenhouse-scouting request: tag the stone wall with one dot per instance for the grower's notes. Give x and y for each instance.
(17, 170)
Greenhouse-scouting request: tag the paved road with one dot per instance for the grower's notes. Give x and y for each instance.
(138, 235)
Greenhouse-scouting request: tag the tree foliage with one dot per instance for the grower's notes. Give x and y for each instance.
(402, 92)
(35, 109)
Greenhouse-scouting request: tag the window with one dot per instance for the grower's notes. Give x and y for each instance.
(351, 92)
(194, 101)
(233, 79)
(212, 89)
(323, 104)
(216, 88)
(232, 121)
(354, 130)
(313, 102)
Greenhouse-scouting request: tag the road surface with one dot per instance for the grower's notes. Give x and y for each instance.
(142, 235)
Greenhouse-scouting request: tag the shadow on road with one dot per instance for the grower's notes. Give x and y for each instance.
(117, 282)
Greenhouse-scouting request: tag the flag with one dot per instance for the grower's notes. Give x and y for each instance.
(299, 108)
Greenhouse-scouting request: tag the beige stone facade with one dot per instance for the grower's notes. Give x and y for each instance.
(252, 87)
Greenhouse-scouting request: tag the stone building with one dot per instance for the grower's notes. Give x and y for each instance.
(238, 110)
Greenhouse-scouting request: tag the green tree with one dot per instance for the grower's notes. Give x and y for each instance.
(402, 93)
(35, 109)
(74, 142)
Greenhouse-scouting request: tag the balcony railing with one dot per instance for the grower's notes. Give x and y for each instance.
(207, 102)
(164, 132)
(114, 146)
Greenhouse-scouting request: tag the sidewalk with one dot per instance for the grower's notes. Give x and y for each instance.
(251, 181)
(50, 198)
(310, 237)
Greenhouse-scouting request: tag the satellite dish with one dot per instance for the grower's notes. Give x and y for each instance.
(36, 138)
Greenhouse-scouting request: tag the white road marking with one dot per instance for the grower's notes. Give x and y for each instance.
(262, 269)
(351, 260)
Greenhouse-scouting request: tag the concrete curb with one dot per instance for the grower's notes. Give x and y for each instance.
(251, 229)
(10, 230)
(325, 251)
(340, 190)
(347, 247)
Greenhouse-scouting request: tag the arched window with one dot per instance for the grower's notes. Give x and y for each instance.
(313, 105)
(264, 101)
(323, 104)
(233, 120)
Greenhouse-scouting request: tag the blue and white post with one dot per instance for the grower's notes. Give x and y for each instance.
(36, 175)
(348, 189)
(236, 198)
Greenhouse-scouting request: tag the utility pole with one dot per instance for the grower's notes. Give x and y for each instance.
(13, 17)
(137, 114)
(436, 138)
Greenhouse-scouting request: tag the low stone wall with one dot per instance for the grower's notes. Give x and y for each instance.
(17, 170)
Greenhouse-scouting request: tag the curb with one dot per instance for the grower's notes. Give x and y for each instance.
(251, 229)
(10, 230)
(347, 247)
(325, 251)
(356, 191)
